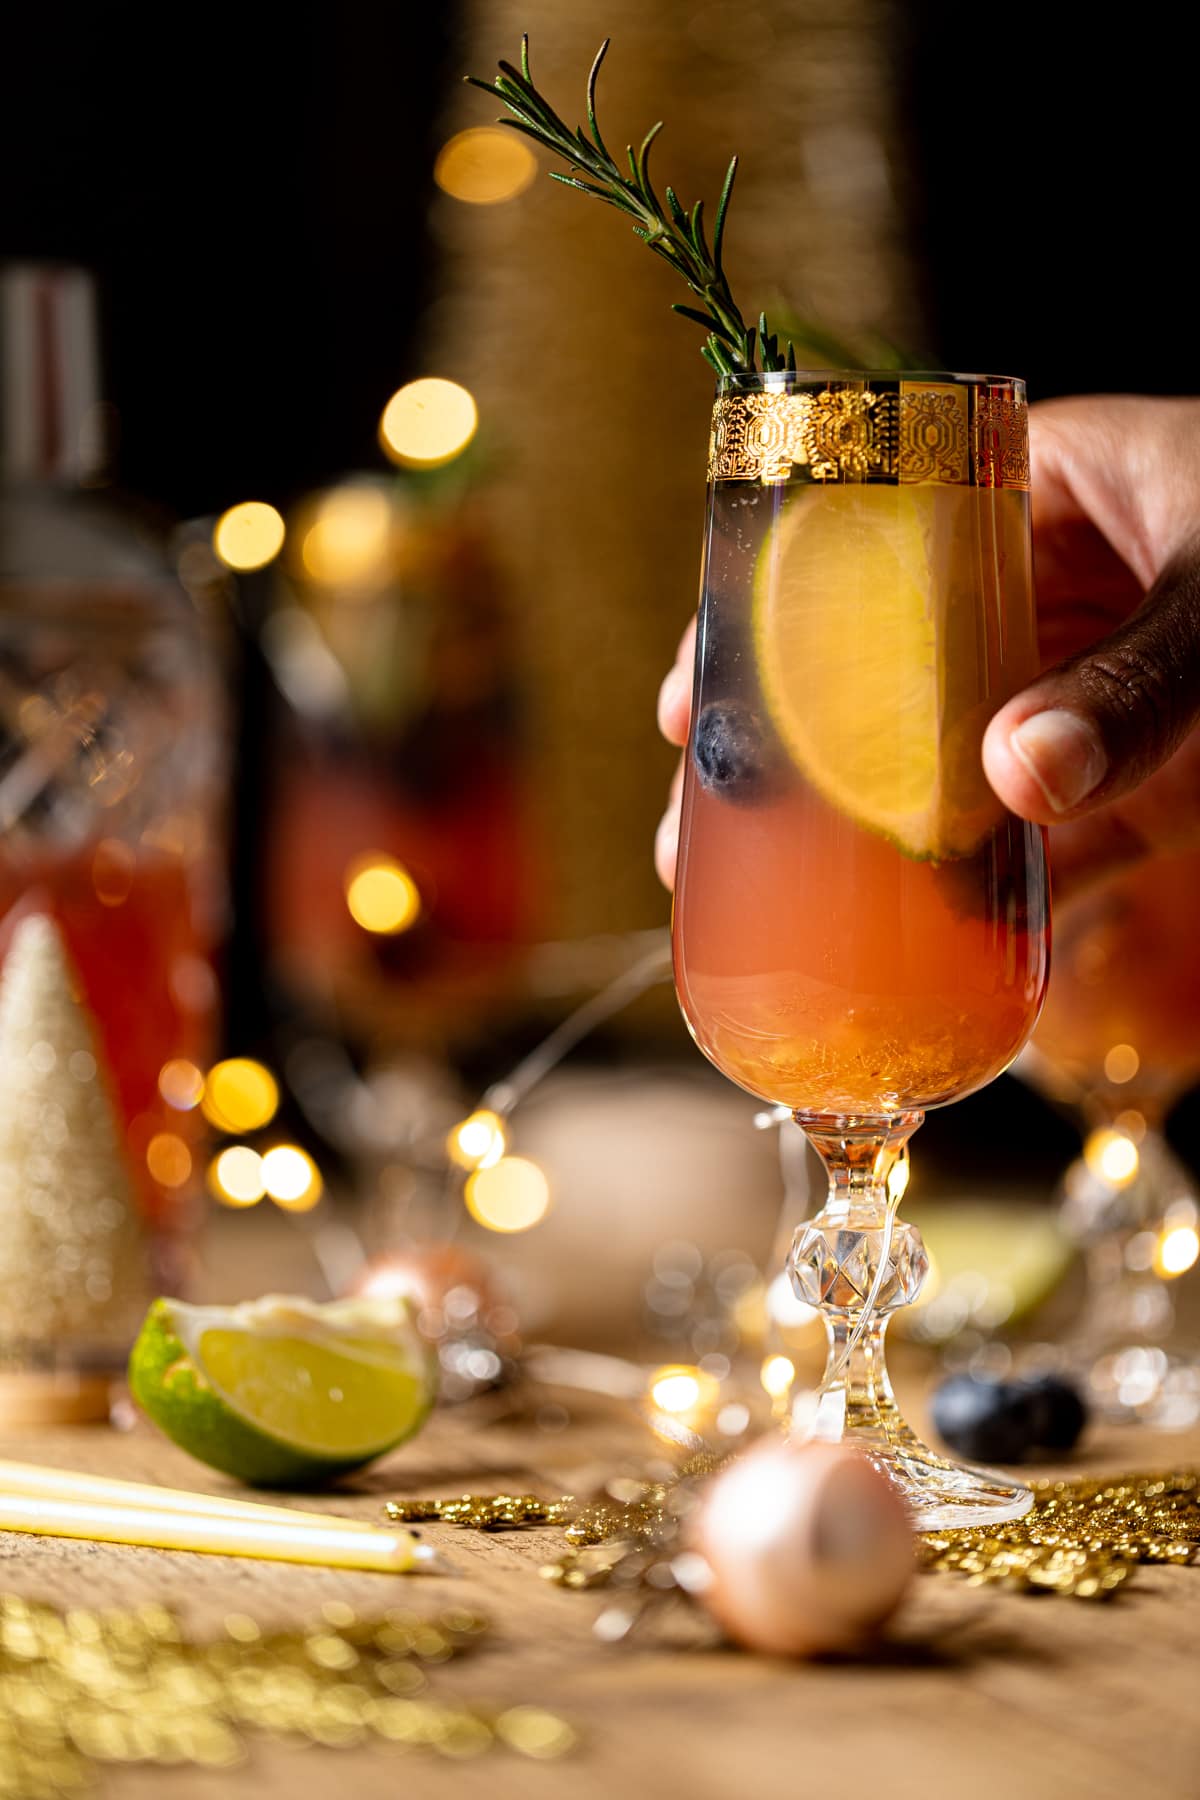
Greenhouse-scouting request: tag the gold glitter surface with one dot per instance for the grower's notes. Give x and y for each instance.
(484, 1512)
(83, 1688)
(1083, 1538)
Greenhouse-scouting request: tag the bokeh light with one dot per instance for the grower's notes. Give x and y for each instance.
(235, 1177)
(181, 1084)
(1121, 1064)
(240, 1095)
(785, 1307)
(381, 894)
(484, 165)
(349, 543)
(1177, 1250)
(428, 422)
(777, 1375)
(1111, 1156)
(680, 1389)
(292, 1178)
(168, 1159)
(249, 536)
(477, 1142)
(510, 1196)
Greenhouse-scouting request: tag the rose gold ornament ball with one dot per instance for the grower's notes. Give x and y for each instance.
(426, 1273)
(450, 1287)
(809, 1548)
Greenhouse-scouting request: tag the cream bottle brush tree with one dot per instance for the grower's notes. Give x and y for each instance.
(73, 1265)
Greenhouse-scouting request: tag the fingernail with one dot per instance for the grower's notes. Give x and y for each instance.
(1063, 754)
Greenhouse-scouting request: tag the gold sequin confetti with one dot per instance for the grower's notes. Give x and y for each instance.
(87, 1688)
(1084, 1537)
(484, 1512)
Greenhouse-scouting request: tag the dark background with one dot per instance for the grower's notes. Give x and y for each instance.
(252, 186)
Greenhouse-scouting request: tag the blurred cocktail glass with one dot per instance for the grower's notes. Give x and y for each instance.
(1119, 1043)
(860, 928)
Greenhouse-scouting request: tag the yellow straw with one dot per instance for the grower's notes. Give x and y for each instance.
(73, 1484)
(388, 1552)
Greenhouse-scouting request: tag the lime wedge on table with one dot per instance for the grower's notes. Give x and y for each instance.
(1003, 1258)
(866, 624)
(283, 1391)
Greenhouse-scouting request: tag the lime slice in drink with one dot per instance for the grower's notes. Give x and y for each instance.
(282, 1391)
(867, 634)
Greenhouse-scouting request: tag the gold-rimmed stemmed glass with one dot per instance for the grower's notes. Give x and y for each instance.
(860, 929)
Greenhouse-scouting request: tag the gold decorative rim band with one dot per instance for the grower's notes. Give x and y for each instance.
(915, 431)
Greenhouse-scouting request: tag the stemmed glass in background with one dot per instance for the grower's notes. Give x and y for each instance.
(1118, 1043)
(860, 929)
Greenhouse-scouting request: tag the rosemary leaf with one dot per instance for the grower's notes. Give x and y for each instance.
(671, 232)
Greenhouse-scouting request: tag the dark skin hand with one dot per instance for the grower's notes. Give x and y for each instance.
(1104, 745)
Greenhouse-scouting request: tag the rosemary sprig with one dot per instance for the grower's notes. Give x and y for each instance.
(673, 232)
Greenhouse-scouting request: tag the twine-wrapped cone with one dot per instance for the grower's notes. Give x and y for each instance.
(73, 1266)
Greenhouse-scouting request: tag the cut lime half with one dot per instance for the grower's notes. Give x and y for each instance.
(283, 1391)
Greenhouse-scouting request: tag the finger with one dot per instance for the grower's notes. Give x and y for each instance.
(1098, 725)
(675, 694)
(666, 838)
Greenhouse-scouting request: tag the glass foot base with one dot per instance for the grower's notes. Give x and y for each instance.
(857, 1266)
(949, 1496)
(940, 1494)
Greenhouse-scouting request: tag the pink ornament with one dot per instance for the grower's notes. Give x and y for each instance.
(809, 1548)
(428, 1273)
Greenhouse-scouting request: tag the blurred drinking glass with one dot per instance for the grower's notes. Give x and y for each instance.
(1119, 1043)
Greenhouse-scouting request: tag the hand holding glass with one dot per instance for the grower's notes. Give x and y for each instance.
(860, 928)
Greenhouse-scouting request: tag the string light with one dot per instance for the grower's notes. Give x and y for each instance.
(777, 1375)
(381, 894)
(484, 166)
(1111, 1156)
(428, 422)
(512, 1195)
(477, 1142)
(898, 1177)
(181, 1084)
(1176, 1251)
(235, 1177)
(249, 535)
(681, 1390)
(240, 1095)
(291, 1178)
(349, 543)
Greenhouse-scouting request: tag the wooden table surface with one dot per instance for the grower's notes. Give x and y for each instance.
(975, 1692)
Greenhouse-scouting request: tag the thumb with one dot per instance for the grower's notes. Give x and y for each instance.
(1096, 726)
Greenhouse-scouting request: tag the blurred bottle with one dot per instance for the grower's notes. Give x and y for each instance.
(112, 745)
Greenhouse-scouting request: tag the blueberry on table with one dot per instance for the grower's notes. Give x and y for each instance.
(992, 1421)
(735, 754)
(1059, 1412)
